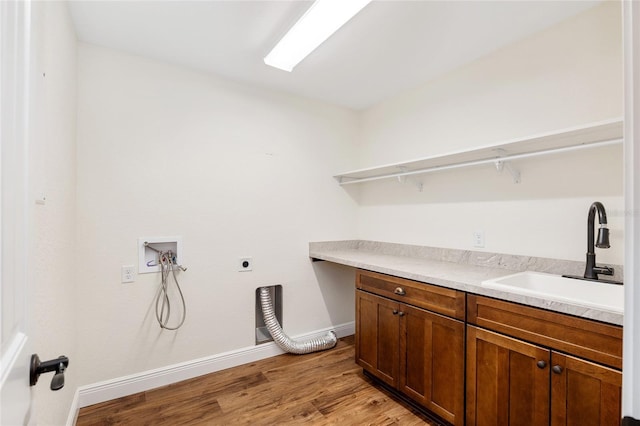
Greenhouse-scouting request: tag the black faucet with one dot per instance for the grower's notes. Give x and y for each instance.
(592, 270)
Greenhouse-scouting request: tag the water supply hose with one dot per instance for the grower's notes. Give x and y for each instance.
(285, 342)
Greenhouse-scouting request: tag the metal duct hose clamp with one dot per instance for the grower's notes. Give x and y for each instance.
(285, 342)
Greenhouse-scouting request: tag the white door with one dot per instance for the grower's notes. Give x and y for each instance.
(631, 354)
(15, 350)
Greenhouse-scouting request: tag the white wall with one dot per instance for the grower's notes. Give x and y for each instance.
(567, 75)
(236, 171)
(52, 173)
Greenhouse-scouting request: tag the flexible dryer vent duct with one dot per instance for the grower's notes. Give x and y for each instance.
(285, 342)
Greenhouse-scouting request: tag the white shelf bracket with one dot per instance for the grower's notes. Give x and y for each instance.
(502, 165)
(410, 179)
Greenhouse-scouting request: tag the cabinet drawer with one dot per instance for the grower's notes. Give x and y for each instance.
(436, 299)
(584, 338)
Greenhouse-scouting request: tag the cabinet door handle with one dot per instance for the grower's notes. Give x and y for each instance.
(401, 313)
(556, 369)
(541, 364)
(395, 312)
(399, 291)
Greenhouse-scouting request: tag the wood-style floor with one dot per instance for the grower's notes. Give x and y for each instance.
(326, 388)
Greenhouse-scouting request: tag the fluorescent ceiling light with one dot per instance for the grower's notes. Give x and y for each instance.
(323, 18)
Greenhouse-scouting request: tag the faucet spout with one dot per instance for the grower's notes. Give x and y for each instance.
(591, 271)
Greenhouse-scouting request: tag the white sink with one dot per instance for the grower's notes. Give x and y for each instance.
(604, 296)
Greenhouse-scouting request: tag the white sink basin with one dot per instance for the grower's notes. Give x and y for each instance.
(604, 296)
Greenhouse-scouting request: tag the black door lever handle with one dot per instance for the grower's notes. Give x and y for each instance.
(58, 365)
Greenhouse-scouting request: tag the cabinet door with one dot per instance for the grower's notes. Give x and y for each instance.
(584, 393)
(432, 362)
(507, 380)
(377, 336)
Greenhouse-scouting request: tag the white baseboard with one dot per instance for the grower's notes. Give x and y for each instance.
(146, 380)
(73, 411)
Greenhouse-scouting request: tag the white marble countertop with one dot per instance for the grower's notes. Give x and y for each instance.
(456, 269)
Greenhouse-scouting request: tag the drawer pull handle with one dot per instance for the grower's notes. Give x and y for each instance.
(557, 369)
(399, 291)
(541, 364)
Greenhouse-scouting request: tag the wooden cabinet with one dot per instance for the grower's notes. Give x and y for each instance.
(505, 383)
(414, 350)
(432, 362)
(378, 336)
(524, 365)
(511, 381)
(581, 337)
(584, 393)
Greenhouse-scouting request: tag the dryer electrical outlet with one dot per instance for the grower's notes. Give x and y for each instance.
(245, 264)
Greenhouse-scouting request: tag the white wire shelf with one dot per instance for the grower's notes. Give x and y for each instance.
(603, 133)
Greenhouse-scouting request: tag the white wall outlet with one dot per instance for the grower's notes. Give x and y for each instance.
(478, 238)
(128, 273)
(245, 264)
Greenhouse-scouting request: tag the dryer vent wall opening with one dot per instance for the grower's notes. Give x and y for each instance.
(262, 334)
(287, 344)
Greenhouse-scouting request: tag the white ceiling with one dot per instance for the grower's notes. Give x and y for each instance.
(389, 47)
